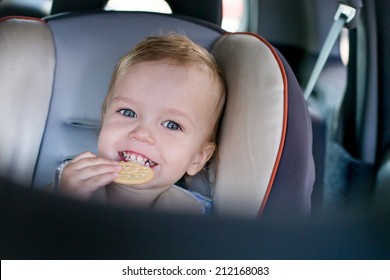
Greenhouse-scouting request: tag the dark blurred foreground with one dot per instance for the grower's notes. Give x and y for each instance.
(36, 225)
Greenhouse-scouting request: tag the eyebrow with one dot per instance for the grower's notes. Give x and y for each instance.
(173, 111)
(123, 100)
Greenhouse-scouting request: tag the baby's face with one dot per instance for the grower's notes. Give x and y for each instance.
(161, 115)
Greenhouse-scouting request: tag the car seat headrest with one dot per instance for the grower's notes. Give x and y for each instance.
(264, 164)
(253, 126)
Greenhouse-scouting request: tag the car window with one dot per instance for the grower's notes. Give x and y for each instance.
(233, 15)
(233, 11)
(135, 5)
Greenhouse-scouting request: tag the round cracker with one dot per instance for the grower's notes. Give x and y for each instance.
(133, 174)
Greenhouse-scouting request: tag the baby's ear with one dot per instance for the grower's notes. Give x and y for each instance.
(204, 154)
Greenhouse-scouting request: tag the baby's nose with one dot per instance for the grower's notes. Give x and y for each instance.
(142, 134)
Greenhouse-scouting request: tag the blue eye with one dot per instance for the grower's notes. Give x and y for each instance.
(171, 125)
(128, 113)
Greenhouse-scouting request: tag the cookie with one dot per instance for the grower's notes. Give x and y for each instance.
(133, 173)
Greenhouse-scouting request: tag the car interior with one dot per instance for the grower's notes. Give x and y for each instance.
(314, 181)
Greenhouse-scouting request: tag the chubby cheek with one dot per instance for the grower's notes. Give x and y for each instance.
(106, 143)
(101, 148)
(180, 157)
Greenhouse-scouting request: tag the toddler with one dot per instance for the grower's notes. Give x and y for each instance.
(162, 111)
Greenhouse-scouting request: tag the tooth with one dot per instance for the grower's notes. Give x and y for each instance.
(139, 159)
(133, 157)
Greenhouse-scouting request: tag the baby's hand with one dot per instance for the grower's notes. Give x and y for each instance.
(86, 173)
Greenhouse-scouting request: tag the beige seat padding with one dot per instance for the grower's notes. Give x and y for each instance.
(27, 60)
(253, 126)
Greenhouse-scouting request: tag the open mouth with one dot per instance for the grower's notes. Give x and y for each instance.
(137, 158)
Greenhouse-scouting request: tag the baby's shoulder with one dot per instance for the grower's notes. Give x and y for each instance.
(179, 200)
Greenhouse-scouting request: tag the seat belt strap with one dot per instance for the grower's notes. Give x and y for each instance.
(344, 14)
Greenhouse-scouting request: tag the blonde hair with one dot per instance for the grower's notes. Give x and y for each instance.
(173, 48)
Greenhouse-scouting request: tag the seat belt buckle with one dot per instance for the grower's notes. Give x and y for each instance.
(347, 11)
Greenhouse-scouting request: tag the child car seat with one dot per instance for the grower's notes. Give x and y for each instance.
(56, 73)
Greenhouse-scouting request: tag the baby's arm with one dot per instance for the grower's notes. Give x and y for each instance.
(86, 173)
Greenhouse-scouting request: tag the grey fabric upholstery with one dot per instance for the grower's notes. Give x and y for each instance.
(83, 73)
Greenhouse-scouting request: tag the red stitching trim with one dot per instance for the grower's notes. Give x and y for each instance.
(22, 18)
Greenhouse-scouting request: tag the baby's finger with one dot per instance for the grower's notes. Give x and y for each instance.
(91, 184)
(87, 162)
(91, 171)
(84, 188)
